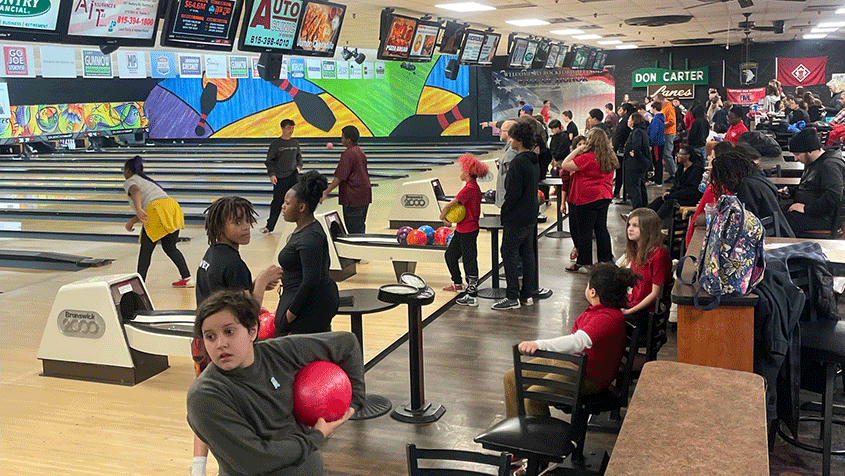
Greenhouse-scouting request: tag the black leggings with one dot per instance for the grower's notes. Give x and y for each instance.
(279, 191)
(464, 245)
(592, 218)
(168, 243)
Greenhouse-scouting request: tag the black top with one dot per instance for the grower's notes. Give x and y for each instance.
(560, 145)
(283, 157)
(309, 293)
(640, 144)
(685, 191)
(799, 114)
(820, 189)
(221, 268)
(520, 206)
(621, 135)
(698, 133)
(571, 128)
(720, 121)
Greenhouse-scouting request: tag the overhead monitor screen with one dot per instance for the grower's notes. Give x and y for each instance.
(473, 41)
(591, 60)
(23, 16)
(518, 53)
(453, 37)
(422, 49)
(396, 42)
(552, 58)
(598, 64)
(207, 24)
(561, 57)
(529, 54)
(488, 49)
(319, 29)
(580, 59)
(112, 21)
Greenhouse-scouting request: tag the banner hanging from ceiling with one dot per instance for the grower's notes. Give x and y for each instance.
(801, 71)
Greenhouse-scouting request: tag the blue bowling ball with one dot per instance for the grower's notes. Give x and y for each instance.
(429, 233)
(449, 238)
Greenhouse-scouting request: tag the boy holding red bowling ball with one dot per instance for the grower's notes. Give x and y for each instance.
(465, 240)
(242, 405)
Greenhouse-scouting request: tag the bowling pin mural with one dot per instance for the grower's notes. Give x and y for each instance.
(312, 107)
(432, 125)
(214, 90)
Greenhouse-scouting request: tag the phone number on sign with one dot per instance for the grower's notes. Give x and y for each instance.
(136, 21)
(270, 41)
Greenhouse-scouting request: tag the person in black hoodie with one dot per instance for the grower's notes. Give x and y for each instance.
(698, 132)
(560, 142)
(620, 137)
(638, 160)
(685, 191)
(519, 215)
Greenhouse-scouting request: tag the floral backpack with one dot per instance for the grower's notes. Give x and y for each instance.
(731, 261)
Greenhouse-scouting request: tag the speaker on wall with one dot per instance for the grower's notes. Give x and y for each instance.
(269, 66)
(452, 69)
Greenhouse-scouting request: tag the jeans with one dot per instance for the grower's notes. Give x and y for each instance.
(168, 244)
(279, 191)
(464, 245)
(518, 245)
(703, 151)
(592, 217)
(668, 158)
(635, 186)
(355, 219)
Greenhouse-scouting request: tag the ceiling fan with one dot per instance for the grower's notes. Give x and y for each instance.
(747, 26)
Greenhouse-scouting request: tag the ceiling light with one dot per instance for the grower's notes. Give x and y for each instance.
(815, 36)
(626, 47)
(589, 36)
(823, 30)
(568, 31)
(465, 7)
(831, 24)
(610, 42)
(841, 11)
(528, 22)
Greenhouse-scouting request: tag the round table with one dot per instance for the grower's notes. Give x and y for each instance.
(556, 182)
(366, 301)
(493, 224)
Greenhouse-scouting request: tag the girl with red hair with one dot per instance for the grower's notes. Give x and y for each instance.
(464, 240)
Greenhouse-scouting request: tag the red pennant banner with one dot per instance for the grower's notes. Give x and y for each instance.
(801, 71)
(746, 97)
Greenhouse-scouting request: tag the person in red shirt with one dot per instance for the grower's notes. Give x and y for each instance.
(736, 125)
(353, 178)
(646, 256)
(545, 112)
(591, 189)
(464, 242)
(599, 332)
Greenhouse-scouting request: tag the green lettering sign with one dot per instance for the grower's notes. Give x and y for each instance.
(24, 8)
(645, 76)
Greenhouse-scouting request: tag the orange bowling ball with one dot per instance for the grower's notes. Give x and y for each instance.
(417, 238)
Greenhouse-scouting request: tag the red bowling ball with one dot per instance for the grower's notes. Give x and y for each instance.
(321, 390)
(441, 235)
(266, 324)
(417, 238)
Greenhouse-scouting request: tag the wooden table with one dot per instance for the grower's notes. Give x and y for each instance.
(693, 420)
(785, 181)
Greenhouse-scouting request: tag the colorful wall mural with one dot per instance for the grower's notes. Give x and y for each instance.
(28, 121)
(392, 103)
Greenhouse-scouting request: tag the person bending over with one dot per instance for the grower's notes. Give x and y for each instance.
(242, 405)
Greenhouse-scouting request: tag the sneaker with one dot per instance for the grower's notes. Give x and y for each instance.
(458, 288)
(467, 300)
(185, 283)
(266, 230)
(506, 304)
(529, 301)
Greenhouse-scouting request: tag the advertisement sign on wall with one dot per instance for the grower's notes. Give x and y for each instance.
(131, 64)
(34, 14)
(96, 64)
(746, 97)
(17, 61)
(58, 62)
(163, 64)
(5, 107)
(239, 67)
(216, 66)
(644, 76)
(127, 19)
(190, 66)
(672, 91)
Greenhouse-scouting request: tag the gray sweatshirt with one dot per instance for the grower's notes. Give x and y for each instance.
(283, 157)
(245, 415)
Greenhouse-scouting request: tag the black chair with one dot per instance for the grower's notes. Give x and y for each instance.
(613, 399)
(540, 439)
(835, 230)
(499, 464)
(676, 239)
(655, 333)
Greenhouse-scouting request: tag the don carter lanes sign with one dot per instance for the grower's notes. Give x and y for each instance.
(645, 76)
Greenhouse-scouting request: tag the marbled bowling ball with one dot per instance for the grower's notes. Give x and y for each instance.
(321, 390)
(457, 213)
(441, 235)
(429, 233)
(402, 234)
(490, 195)
(417, 238)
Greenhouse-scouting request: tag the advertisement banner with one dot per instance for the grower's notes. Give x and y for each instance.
(315, 68)
(216, 67)
(34, 14)
(747, 74)
(163, 64)
(329, 69)
(5, 107)
(255, 74)
(272, 24)
(356, 71)
(380, 69)
(746, 97)
(127, 19)
(369, 70)
(672, 91)
(801, 71)
(58, 62)
(297, 68)
(239, 67)
(18, 62)
(342, 70)
(644, 76)
(190, 66)
(96, 64)
(131, 64)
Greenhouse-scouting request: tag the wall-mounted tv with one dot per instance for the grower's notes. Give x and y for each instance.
(208, 24)
(471, 49)
(488, 49)
(397, 37)
(561, 57)
(591, 59)
(453, 38)
(598, 63)
(541, 55)
(23, 21)
(530, 51)
(553, 54)
(425, 38)
(518, 53)
(114, 22)
(579, 59)
(319, 28)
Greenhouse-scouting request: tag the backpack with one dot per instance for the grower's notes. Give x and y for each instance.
(731, 260)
